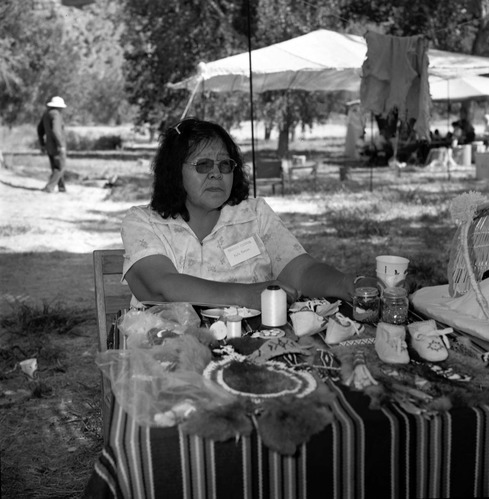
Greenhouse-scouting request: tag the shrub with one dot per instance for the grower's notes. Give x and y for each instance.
(76, 142)
(32, 321)
(108, 143)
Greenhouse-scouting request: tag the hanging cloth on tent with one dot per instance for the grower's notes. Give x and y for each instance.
(395, 75)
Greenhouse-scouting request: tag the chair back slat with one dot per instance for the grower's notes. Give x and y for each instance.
(111, 296)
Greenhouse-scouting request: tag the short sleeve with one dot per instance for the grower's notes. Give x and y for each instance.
(139, 238)
(282, 246)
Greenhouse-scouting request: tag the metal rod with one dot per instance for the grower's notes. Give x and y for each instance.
(251, 101)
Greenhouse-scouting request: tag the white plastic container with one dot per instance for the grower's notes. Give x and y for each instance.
(273, 307)
(233, 324)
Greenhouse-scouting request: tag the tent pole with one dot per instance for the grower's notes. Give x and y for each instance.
(187, 107)
(251, 101)
(372, 146)
(449, 110)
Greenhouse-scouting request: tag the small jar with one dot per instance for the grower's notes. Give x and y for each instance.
(233, 324)
(366, 305)
(395, 305)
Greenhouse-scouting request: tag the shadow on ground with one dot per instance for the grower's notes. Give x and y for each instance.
(48, 277)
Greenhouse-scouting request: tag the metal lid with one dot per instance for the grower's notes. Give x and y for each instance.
(395, 292)
(366, 292)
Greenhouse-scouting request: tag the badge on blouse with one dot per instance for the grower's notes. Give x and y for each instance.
(242, 251)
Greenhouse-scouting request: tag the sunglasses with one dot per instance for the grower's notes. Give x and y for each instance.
(206, 165)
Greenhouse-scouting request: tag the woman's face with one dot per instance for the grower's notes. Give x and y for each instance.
(207, 191)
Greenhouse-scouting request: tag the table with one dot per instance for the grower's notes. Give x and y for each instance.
(363, 453)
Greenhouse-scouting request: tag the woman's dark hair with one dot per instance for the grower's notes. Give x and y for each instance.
(176, 144)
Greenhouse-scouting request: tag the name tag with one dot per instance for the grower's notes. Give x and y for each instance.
(242, 251)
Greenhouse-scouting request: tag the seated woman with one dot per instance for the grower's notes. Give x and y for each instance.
(202, 240)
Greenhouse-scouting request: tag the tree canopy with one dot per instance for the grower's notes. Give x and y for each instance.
(55, 51)
(112, 59)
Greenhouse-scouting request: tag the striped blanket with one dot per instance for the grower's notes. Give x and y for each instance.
(364, 453)
(378, 453)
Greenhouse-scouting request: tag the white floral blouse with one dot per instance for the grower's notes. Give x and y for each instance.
(249, 243)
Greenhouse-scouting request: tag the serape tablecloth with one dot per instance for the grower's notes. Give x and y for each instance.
(364, 453)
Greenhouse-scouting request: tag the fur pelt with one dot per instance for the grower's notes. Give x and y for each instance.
(285, 423)
(220, 424)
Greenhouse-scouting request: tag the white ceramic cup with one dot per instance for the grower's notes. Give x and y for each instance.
(391, 270)
(390, 280)
(392, 265)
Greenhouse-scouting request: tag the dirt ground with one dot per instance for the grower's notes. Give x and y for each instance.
(51, 425)
(56, 234)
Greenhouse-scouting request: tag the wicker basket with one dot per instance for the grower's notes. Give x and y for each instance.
(478, 244)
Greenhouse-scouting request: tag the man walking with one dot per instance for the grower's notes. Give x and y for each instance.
(51, 133)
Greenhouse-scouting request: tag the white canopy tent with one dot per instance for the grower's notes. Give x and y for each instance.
(321, 60)
(457, 89)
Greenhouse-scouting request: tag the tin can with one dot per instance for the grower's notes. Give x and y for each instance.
(366, 305)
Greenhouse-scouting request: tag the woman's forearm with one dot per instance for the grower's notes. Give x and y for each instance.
(316, 279)
(154, 278)
(182, 287)
(322, 280)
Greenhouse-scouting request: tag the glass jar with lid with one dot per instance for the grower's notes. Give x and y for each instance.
(395, 305)
(366, 305)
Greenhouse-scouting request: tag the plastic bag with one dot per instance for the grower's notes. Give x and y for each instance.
(153, 394)
(180, 313)
(140, 326)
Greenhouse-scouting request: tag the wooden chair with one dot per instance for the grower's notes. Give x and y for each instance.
(302, 165)
(269, 173)
(110, 297)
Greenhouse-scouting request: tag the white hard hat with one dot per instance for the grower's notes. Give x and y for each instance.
(56, 102)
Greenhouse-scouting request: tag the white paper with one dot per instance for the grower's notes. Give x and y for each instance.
(242, 251)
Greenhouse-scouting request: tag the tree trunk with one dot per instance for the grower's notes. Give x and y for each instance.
(283, 141)
(152, 133)
(268, 132)
(480, 45)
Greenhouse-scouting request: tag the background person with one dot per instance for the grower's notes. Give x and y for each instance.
(202, 240)
(463, 131)
(485, 133)
(51, 134)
